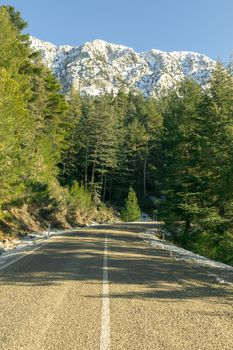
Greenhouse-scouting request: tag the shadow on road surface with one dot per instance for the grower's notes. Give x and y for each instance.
(79, 257)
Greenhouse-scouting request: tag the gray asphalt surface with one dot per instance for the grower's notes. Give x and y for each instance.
(52, 298)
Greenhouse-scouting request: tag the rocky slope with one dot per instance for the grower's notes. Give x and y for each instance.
(98, 67)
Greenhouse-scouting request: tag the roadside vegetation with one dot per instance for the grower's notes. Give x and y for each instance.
(67, 160)
(35, 122)
(132, 211)
(196, 153)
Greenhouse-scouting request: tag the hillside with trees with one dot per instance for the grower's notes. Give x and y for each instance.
(69, 159)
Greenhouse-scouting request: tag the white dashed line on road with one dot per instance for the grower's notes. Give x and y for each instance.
(105, 326)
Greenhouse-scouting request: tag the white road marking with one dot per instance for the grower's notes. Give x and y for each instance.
(22, 256)
(105, 326)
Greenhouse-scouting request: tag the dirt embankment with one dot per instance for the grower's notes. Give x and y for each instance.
(20, 221)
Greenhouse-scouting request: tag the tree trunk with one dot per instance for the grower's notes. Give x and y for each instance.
(85, 176)
(144, 176)
(187, 226)
(105, 182)
(221, 212)
(101, 183)
(110, 190)
(93, 177)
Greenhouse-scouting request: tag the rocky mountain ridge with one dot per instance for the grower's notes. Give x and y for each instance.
(98, 67)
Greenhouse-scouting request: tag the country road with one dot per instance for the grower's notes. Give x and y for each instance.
(105, 288)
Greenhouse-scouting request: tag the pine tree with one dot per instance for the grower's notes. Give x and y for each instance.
(96, 142)
(16, 122)
(181, 179)
(132, 210)
(217, 150)
(32, 112)
(138, 131)
(16, 139)
(69, 158)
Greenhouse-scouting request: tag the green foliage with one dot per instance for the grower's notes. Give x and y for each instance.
(79, 203)
(69, 154)
(32, 117)
(212, 245)
(110, 144)
(63, 156)
(16, 18)
(181, 180)
(80, 197)
(217, 145)
(196, 168)
(132, 210)
(104, 214)
(16, 124)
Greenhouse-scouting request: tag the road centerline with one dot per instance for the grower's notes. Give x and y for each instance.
(105, 323)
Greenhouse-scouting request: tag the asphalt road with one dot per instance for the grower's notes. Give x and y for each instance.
(104, 288)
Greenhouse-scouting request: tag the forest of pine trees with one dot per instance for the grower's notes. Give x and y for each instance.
(69, 159)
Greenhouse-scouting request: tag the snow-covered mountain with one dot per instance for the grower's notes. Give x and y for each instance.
(98, 67)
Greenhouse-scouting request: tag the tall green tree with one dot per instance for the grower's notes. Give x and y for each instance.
(140, 124)
(180, 175)
(68, 165)
(96, 142)
(16, 139)
(32, 114)
(16, 122)
(217, 148)
(132, 210)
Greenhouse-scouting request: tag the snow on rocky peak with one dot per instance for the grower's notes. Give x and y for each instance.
(97, 67)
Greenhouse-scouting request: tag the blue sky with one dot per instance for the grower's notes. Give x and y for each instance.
(204, 26)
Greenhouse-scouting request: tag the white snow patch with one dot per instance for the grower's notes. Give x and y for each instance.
(185, 255)
(17, 245)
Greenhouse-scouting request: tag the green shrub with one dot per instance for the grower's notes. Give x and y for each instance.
(79, 203)
(131, 211)
(212, 245)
